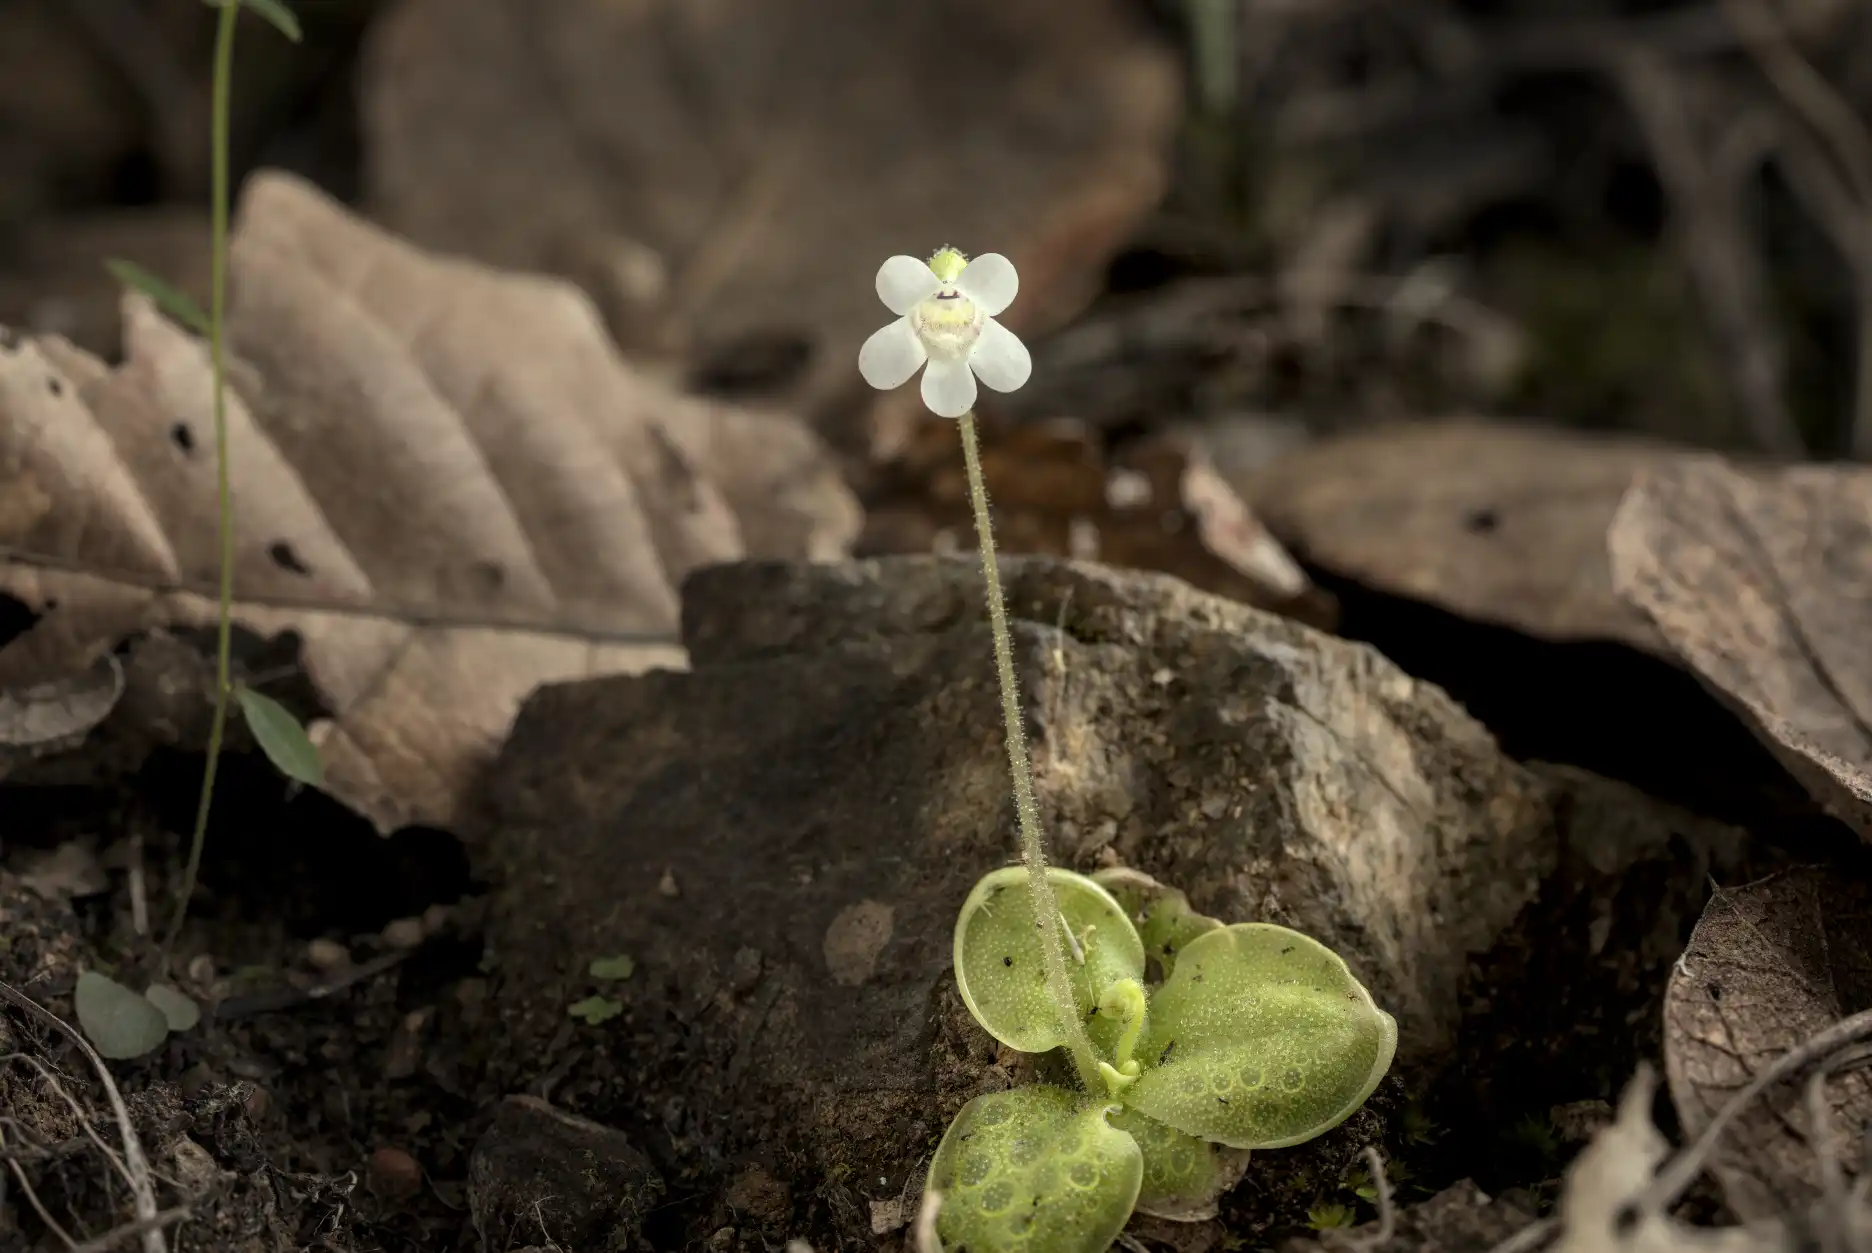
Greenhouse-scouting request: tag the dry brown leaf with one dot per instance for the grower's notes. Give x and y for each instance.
(1156, 505)
(446, 480)
(1763, 585)
(1503, 524)
(1769, 965)
(773, 152)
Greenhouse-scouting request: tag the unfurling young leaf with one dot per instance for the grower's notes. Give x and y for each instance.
(172, 300)
(281, 737)
(1034, 1170)
(275, 12)
(1164, 918)
(1000, 966)
(1260, 1038)
(119, 1023)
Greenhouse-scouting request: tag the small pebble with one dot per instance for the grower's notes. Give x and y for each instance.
(404, 933)
(394, 1174)
(259, 1103)
(667, 885)
(328, 954)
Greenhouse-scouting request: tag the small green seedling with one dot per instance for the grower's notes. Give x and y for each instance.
(279, 734)
(121, 1023)
(1193, 1042)
(611, 968)
(1330, 1214)
(595, 1009)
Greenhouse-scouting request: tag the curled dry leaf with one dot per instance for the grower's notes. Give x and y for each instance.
(447, 483)
(1499, 523)
(1156, 505)
(772, 152)
(60, 711)
(1769, 965)
(1762, 584)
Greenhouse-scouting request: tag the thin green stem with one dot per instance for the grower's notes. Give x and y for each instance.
(217, 337)
(1027, 813)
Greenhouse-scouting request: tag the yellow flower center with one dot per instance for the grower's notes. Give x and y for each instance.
(947, 263)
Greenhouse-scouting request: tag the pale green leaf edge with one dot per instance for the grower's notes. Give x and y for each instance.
(281, 738)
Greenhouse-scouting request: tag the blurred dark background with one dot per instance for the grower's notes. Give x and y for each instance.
(1608, 214)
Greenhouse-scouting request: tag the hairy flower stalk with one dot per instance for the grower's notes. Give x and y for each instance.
(946, 321)
(1027, 813)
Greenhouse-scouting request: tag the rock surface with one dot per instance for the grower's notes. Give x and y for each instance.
(541, 1170)
(781, 836)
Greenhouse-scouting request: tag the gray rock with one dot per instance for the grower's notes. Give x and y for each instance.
(540, 1170)
(829, 780)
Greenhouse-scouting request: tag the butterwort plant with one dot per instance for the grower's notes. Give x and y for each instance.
(1193, 1042)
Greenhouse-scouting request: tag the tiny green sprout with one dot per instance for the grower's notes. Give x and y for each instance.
(595, 1009)
(1416, 1125)
(1329, 1214)
(619, 967)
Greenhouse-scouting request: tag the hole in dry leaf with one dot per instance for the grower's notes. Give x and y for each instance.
(182, 437)
(1482, 522)
(490, 575)
(15, 619)
(55, 387)
(286, 559)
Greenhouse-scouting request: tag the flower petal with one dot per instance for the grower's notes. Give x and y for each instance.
(948, 388)
(903, 282)
(989, 280)
(1000, 358)
(891, 355)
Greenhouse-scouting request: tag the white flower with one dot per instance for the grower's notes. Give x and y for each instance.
(948, 307)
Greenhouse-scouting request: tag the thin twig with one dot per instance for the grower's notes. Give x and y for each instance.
(1820, 1129)
(77, 1112)
(1805, 89)
(139, 892)
(1832, 175)
(141, 1227)
(273, 1001)
(136, 1165)
(32, 1199)
(1703, 194)
(1387, 1212)
(1528, 1237)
